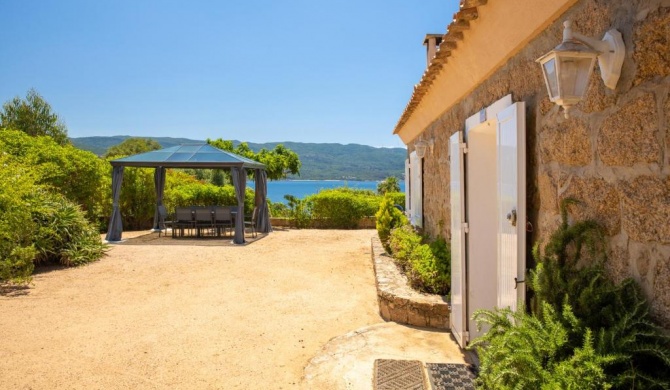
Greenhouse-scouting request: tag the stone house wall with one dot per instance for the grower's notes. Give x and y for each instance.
(613, 153)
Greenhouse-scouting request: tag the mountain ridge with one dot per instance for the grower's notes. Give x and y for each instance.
(320, 161)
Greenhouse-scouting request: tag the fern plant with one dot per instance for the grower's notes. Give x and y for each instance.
(570, 273)
(522, 351)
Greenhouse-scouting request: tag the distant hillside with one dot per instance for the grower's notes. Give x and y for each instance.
(319, 161)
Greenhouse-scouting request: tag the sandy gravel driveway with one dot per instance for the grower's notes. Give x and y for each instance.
(175, 314)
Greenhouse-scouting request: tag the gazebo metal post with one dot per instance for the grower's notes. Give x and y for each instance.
(159, 184)
(115, 229)
(239, 175)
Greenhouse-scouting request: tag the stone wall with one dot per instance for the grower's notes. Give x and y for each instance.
(613, 153)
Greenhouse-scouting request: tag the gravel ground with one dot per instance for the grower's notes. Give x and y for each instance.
(189, 314)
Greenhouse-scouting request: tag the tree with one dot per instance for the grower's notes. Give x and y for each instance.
(132, 146)
(279, 162)
(390, 184)
(33, 116)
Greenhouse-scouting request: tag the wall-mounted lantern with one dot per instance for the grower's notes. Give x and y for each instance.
(420, 147)
(568, 67)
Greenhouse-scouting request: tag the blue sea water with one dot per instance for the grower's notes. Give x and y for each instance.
(302, 188)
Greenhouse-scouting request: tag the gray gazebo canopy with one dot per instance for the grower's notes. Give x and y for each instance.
(199, 156)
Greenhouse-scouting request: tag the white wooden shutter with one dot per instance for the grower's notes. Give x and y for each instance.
(511, 205)
(416, 184)
(407, 187)
(458, 316)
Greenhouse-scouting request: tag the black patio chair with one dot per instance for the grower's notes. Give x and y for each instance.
(252, 223)
(203, 220)
(183, 219)
(223, 219)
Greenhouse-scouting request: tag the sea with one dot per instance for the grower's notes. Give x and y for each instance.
(301, 188)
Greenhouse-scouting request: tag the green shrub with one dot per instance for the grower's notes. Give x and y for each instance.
(388, 218)
(37, 224)
(607, 338)
(571, 269)
(342, 208)
(79, 175)
(427, 266)
(16, 225)
(403, 242)
(279, 210)
(299, 212)
(521, 351)
(64, 235)
(397, 198)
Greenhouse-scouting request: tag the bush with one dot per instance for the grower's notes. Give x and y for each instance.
(342, 208)
(388, 218)
(397, 198)
(571, 270)
(606, 334)
(80, 176)
(64, 235)
(403, 242)
(299, 213)
(37, 224)
(521, 351)
(16, 225)
(427, 266)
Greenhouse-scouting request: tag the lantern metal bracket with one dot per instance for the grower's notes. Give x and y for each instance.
(611, 52)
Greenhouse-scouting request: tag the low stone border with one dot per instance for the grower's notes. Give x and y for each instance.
(400, 303)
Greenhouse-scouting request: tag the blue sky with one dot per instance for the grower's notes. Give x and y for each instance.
(258, 71)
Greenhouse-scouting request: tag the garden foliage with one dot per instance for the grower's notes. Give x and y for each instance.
(80, 176)
(38, 224)
(342, 208)
(299, 212)
(427, 265)
(606, 324)
(388, 217)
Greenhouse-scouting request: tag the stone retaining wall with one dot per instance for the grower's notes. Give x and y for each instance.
(400, 303)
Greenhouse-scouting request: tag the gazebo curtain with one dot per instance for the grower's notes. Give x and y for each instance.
(240, 182)
(159, 184)
(115, 228)
(261, 190)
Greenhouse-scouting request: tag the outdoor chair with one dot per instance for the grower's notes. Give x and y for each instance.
(183, 219)
(223, 219)
(162, 212)
(252, 223)
(203, 220)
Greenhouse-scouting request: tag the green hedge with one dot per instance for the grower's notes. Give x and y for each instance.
(39, 225)
(342, 208)
(427, 266)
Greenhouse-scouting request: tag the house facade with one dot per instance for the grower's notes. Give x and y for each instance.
(612, 154)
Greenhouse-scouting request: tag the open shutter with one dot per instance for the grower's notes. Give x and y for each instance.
(416, 184)
(458, 316)
(407, 187)
(511, 205)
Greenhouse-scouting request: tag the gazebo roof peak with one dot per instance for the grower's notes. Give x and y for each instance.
(191, 155)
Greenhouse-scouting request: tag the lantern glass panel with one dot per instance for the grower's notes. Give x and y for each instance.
(574, 76)
(552, 78)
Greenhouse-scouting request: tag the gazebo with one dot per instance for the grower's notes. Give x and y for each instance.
(198, 156)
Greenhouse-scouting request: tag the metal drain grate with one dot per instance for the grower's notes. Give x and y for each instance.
(398, 375)
(447, 376)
